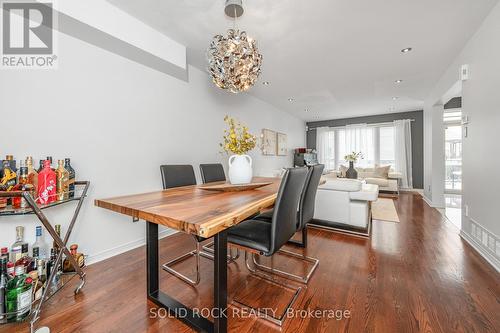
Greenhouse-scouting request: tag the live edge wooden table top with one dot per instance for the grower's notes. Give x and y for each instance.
(193, 210)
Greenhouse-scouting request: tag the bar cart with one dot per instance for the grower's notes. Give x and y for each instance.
(53, 285)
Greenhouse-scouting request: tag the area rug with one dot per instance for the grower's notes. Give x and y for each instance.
(384, 210)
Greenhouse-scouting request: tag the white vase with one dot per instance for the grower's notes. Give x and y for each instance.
(240, 169)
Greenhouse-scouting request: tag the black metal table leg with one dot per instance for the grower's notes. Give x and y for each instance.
(176, 308)
(220, 282)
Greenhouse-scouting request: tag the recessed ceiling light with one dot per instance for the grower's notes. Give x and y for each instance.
(406, 50)
(306, 110)
(266, 83)
(395, 98)
(290, 99)
(398, 81)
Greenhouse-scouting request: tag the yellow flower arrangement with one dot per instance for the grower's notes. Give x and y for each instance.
(237, 139)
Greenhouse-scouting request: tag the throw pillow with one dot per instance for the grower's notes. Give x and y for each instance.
(382, 171)
(343, 170)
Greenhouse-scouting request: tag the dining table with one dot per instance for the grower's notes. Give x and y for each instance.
(201, 212)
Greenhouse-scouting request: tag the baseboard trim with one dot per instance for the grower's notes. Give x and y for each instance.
(478, 248)
(106, 254)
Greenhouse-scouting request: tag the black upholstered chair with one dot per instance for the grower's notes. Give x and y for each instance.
(306, 206)
(264, 238)
(177, 176)
(212, 173)
(305, 214)
(267, 238)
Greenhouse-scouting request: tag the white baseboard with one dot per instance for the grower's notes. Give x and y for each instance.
(492, 260)
(94, 258)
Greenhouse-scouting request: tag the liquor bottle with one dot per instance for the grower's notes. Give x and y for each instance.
(32, 175)
(46, 184)
(11, 269)
(79, 258)
(18, 298)
(39, 247)
(72, 177)
(9, 179)
(49, 158)
(57, 228)
(4, 278)
(24, 265)
(42, 271)
(40, 166)
(4, 253)
(62, 176)
(22, 185)
(20, 248)
(12, 162)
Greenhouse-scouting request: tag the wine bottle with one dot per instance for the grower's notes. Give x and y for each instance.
(46, 184)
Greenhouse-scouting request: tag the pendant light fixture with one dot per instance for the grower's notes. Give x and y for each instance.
(234, 61)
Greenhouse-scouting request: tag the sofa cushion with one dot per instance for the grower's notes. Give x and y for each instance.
(381, 172)
(344, 185)
(378, 181)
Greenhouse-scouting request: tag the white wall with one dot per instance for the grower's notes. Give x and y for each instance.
(118, 121)
(481, 153)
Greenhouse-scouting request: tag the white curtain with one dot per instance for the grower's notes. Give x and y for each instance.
(402, 151)
(360, 138)
(325, 147)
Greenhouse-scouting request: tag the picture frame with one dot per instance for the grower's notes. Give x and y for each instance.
(281, 144)
(269, 144)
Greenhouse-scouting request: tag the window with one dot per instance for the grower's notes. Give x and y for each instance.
(376, 142)
(386, 144)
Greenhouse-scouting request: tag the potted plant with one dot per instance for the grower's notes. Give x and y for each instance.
(352, 158)
(238, 141)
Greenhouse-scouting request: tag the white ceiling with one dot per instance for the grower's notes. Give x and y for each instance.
(338, 58)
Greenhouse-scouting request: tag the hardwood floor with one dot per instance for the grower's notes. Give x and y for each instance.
(412, 276)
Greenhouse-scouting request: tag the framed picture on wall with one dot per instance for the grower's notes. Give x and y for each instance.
(269, 144)
(281, 144)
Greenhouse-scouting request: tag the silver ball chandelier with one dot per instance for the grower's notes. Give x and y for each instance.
(234, 60)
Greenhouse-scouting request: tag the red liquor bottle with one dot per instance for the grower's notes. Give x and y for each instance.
(47, 188)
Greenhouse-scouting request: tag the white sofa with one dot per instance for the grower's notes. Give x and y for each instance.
(389, 184)
(345, 204)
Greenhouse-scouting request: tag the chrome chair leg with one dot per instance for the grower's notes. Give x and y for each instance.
(302, 279)
(196, 253)
(264, 314)
(208, 252)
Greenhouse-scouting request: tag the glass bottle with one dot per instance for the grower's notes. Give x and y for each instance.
(79, 258)
(46, 185)
(4, 253)
(18, 298)
(57, 228)
(32, 175)
(39, 248)
(62, 176)
(4, 278)
(9, 179)
(40, 166)
(72, 176)
(20, 248)
(49, 158)
(22, 185)
(12, 162)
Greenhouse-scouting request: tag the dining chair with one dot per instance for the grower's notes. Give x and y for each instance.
(305, 214)
(176, 176)
(212, 173)
(264, 238)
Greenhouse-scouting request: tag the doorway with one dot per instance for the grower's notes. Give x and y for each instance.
(452, 119)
